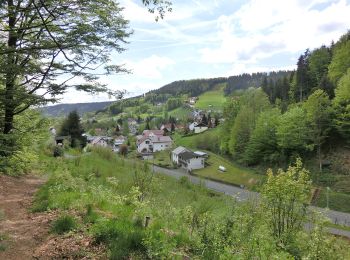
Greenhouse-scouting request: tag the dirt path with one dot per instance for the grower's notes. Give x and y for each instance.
(21, 230)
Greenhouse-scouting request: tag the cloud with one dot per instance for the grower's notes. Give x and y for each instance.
(150, 68)
(261, 29)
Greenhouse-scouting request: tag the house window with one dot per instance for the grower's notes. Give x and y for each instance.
(147, 142)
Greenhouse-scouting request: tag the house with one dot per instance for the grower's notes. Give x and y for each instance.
(147, 133)
(53, 131)
(192, 100)
(101, 141)
(191, 161)
(118, 142)
(202, 154)
(199, 128)
(175, 154)
(192, 126)
(133, 126)
(153, 144)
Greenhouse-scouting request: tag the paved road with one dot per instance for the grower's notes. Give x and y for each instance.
(242, 194)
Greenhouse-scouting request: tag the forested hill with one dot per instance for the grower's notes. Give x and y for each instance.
(195, 87)
(81, 108)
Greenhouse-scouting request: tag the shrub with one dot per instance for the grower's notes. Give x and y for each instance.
(58, 151)
(64, 224)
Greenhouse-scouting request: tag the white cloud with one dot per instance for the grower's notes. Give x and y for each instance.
(150, 68)
(261, 29)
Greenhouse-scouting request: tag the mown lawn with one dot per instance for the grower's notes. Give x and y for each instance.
(234, 174)
(213, 100)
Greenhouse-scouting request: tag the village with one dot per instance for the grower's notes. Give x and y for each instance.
(147, 143)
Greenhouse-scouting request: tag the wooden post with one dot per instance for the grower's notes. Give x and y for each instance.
(147, 221)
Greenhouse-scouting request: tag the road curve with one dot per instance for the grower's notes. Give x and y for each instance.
(336, 217)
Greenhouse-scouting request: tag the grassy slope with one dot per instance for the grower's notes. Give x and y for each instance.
(215, 98)
(235, 175)
(180, 113)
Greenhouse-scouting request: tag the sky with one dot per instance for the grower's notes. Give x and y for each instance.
(219, 38)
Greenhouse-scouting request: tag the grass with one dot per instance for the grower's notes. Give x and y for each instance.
(64, 224)
(213, 99)
(180, 112)
(195, 141)
(162, 159)
(109, 206)
(3, 239)
(101, 189)
(234, 174)
(341, 227)
(337, 201)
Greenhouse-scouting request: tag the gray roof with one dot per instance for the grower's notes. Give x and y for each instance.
(187, 155)
(179, 150)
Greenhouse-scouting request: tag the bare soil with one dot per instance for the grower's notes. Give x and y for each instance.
(26, 235)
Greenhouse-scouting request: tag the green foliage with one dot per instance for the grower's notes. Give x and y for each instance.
(293, 131)
(340, 60)
(285, 197)
(73, 128)
(254, 101)
(318, 63)
(64, 224)
(18, 149)
(184, 220)
(341, 104)
(262, 146)
(318, 113)
(173, 103)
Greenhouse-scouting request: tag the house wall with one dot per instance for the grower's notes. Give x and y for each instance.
(143, 146)
(195, 163)
(175, 158)
(161, 146)
(192, 126)
(200, 129)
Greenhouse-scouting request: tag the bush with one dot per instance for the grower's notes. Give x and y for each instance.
(64, 224)
(58, 151)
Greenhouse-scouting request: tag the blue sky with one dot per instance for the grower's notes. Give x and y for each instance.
(202, 39)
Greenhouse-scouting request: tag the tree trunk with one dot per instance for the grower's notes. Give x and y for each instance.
(10, 73)
(319, 156)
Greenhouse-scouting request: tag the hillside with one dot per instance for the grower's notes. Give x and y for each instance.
(65, 109)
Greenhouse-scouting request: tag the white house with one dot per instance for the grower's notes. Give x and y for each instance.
(175, 154)
(191, 161)
(199, 128)
(118, 142)
(192, 126)
(152, 144)
(101, 141)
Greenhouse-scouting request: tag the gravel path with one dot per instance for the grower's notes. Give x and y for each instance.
(336, 217)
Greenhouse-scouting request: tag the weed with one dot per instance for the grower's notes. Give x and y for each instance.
(2, 215)
(90, 216)
(64, 224)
